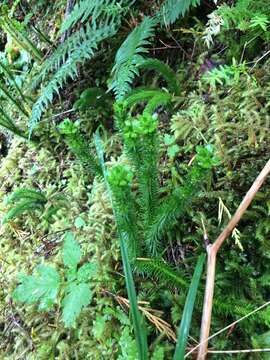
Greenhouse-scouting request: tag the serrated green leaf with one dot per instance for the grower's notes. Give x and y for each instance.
(77, 297)
(42, 287)
(87, 272)
(71, 251)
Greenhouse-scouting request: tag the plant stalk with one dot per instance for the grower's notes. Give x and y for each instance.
(212, 250)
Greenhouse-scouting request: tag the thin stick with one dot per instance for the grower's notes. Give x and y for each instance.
(212, 250)
(229, 326)
(238, 351)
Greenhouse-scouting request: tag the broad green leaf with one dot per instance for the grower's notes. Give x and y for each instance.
(183, 330)
(42, 287)
(71, 251)
(87, 272)
(77, 297)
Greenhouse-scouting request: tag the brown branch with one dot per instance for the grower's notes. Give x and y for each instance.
(212, 250)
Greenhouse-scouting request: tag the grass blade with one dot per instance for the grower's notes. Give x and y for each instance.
(188, 310)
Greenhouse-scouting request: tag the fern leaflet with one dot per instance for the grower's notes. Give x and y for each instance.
(165, 70)
(171, 10)
(85, 51)
(129, 56)
(82, 11)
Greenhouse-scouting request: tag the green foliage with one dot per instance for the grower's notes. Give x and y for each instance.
(46, 286)
(176, 203)
(79, 146)
(171, 10)
(227, 75)
(155, 179)
(77, 296)
(153, 97)
(31, 200)
(41, 288)
(119, 180)
(71, 252)
(84, 9)
(242, 27)
(90, 38)
(130, 55)
(125, 235)
(7, 123)
(24, 200)
(164, 70)
(149, 218)
(91, 97)
(161, 270)
(184, 327)
(16, 30)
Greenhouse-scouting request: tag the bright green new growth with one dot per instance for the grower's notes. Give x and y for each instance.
(154, 216)
(46, 285)
(79, 146)
(119, 179)
(126, 237)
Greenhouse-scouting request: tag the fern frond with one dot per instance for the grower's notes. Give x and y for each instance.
(161, 270)
(160, 99)
(26, 194)
(23, 206)
(129, 56)
(85, 9)
(84, 51)
(171, 10)
(164, 70)
(59, 55)
(154, 97)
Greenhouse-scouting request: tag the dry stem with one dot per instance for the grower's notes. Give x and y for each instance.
(212, 250)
